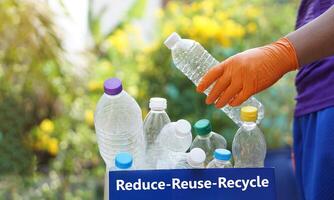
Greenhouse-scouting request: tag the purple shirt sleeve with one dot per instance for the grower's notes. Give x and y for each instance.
(314, 82)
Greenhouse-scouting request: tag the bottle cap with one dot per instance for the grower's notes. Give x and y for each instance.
(182, 127)
(196, 157)
(202, 127)
(172, 40)
(222, 154)
(248, 114)
(113, 86)
(123, 160)
(157, 103)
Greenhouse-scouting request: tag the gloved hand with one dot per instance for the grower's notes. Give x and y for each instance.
(244, 74)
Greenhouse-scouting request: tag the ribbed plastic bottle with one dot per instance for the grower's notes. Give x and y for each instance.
(207, 140)
(123, 161)
(194, 61)
(155, 120)
(193, 160)
(174, 140)
(118, 124)
(221, 159)
(249, 145)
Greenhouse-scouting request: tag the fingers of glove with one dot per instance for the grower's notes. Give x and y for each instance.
(239, 99)
(222, 83)
(228, 94)
(210, 77)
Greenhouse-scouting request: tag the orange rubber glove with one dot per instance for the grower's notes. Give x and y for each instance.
(247, 73)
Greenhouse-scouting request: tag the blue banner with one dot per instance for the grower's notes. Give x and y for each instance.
(195, 184)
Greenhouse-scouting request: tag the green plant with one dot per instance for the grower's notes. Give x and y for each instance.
(30, 79)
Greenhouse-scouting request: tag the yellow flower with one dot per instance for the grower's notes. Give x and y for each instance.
(223, 40)
(184, 24)
(208, 7)
(204, 28)
(53, 147)
(233, 29)
(251, 27)
(252, 12)
(41, 142)
(89, 117)
(147, 49)
(167, 29)
(222, 16)
(172, 6)
(47, 126)
(194, 7)
(119, 41)
(94, 85)
(44, 141)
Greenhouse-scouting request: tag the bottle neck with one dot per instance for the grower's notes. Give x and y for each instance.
(114, 96)
(154, 110)
(222, 161)
(205, 136)
(248, 125)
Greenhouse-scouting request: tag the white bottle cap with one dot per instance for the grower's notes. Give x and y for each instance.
(172, 40)
(182, 128)
(196, 157)
(157, 103)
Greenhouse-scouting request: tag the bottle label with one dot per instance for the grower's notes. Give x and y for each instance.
(194, 184)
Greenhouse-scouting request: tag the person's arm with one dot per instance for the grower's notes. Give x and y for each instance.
(315, 40)
(247, 73)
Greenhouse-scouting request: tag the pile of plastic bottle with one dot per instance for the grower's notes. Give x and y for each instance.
(127, 142)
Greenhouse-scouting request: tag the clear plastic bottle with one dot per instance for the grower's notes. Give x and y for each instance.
(194, 61)
(193, 160)
(155, 120)
(123, 161)
(249, 145)
(118, 124)
(221, 159)
(207, 140)
(176, 136)
(174, 140)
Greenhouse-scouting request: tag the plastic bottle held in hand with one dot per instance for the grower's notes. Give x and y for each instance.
(193, 160)
(123, 161)
(249, 145)
(207, 140)
(194, 61)
(118, 124)
(155, 120)
(174, 140)
(221, 159)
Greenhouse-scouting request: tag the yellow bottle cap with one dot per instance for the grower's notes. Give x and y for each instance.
(248, 114)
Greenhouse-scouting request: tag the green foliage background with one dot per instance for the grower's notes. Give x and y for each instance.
(47, 140)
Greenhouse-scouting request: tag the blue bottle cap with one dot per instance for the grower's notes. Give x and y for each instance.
(222, 154)
(123, 160)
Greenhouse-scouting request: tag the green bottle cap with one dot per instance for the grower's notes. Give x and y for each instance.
(202, 127)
